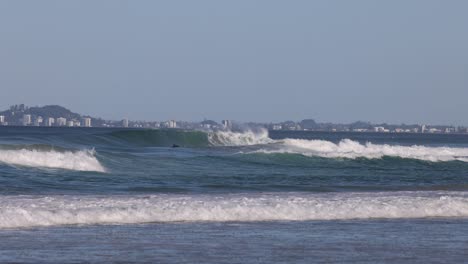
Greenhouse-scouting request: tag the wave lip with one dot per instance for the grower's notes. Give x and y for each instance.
(346, 148)
(27, 211)
(246, 138)
(352, 149)
(83, 160)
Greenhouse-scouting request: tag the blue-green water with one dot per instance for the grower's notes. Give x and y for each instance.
(127, 195)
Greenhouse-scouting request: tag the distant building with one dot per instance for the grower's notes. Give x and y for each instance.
(26, 120)
(38, 121)
(172, 124)
(125, 122)
(359, 130)
(277, 127)
(227, 124)
(3, 121)
(61, 121)
(380, 129)
(423, 128)
(49, 121)
(450, 130)
(87, 122)
(70, 123)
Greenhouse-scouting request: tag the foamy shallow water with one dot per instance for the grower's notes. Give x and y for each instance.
(29, 211)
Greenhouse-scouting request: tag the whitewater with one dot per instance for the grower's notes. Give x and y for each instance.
(19, 212)
(345, 148)
(83, 160)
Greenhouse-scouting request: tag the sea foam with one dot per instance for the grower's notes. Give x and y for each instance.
(27, 211)
(346, 148)
(83, 160)
(246, 138)
(352, 149)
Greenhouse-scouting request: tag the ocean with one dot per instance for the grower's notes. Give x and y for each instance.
(70, 195)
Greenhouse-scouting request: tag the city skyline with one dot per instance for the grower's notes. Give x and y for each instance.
(56, 116)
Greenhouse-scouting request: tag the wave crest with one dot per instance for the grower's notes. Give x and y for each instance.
(183, 138)
(352, 149)
(246, 138)
(83, 160)
(20, 211)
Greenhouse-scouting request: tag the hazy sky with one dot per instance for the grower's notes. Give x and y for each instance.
(381, 61)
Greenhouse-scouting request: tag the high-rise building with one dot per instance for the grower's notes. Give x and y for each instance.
(49, 121)
(38, 121)
(379, 129)
(87, 122)
(277, 127)
(125, 122)
(172, 124)
(26, 120)
(227, 124)
(61, 121)
(3, 121)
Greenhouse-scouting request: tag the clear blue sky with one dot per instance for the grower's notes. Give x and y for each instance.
(340, 61)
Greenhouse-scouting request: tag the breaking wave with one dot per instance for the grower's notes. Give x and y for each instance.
(183, 138)
(27, 211)
(352, 149)
(262, 143)
(246, 138)
(257, 141)
(83, 160)
(346, 148)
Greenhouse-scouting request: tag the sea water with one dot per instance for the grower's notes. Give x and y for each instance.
(125, 195)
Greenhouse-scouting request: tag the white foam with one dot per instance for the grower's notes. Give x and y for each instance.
(351, 149)
(346, 148)
(27, 211)
(246, 138)
(83, 160)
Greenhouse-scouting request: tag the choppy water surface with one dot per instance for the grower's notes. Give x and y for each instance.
(279, 191)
